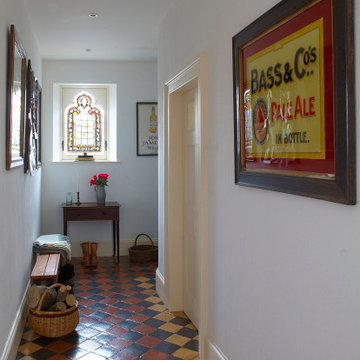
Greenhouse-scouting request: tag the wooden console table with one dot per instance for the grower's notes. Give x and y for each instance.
(90, 211)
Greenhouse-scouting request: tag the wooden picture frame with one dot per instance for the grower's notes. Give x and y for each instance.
(294, 109)
(16, 83)
(37, 110)
(32, 157)
(146, 129)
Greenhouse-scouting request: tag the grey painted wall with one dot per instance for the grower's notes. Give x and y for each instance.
(19, 193)
(132, 181)
(283, 270)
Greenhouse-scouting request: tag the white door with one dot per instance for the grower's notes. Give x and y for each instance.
(191, 218)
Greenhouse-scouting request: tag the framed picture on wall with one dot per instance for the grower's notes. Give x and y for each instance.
(16, 89)
(293, 75)
(33, 123)
(37, 113)
(146, 129)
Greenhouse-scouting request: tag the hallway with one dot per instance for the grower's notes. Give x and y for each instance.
(121, 317)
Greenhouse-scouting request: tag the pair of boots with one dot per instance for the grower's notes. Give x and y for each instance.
(89, 254)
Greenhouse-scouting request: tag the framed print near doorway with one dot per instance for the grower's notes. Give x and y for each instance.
(146, 129)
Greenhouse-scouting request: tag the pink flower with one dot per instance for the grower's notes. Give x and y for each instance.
(103, 176)
(99, 180)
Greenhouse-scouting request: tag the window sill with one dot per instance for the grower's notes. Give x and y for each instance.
(84, 162)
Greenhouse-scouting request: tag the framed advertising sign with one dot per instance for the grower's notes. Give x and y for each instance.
(146, 129)
(294, 100)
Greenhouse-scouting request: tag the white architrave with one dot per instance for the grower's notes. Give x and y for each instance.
(195, 73)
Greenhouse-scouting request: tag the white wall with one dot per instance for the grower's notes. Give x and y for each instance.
(284, 271)
(133, 180)
(19, 193)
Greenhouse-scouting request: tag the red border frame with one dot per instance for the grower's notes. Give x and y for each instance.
(319, 10)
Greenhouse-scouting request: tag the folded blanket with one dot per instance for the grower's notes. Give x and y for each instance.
(54, 243)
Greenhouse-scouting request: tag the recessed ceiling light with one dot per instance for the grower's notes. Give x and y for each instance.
(93, 15)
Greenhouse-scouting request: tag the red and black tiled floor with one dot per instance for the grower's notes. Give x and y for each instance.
(121, 317)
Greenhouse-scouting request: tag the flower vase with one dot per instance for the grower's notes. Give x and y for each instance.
(100, 195)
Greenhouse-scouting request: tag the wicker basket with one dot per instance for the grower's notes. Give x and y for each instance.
(53, 324)
(143, 253)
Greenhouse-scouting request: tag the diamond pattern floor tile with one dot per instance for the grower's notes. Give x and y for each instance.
(121, 318)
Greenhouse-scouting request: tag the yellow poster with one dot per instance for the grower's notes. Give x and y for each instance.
(284, 105)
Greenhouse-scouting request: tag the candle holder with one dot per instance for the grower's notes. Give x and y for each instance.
(78, 198)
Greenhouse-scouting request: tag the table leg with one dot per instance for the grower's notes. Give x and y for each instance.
(114, 237)
(118, 240)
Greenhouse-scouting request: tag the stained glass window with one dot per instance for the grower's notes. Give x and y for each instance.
(84, 125)
(85, 121)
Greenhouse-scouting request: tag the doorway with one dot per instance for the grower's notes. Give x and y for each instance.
(191, 203)
(185, 240)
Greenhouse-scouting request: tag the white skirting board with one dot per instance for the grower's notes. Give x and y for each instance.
(160, 285)
(14, 338)
(213, 352)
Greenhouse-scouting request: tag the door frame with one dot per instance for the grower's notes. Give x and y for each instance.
(192, 75)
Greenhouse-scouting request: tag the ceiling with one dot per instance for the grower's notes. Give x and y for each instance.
(122, 30)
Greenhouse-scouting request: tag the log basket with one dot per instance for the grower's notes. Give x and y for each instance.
(53, 324)
(143, 253)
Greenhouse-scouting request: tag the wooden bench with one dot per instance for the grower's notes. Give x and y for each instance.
(46, 269)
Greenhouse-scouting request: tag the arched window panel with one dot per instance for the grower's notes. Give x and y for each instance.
(85, 121)
(84, 125)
